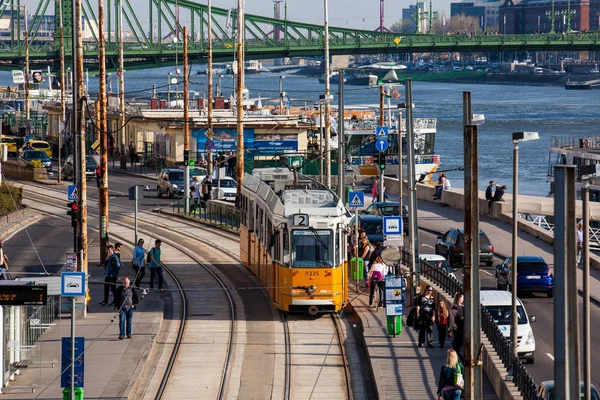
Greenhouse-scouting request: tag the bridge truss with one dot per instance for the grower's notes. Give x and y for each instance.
(150, 43)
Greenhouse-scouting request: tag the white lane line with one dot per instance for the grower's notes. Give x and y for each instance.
(427, 245)
(485, 272)
(551, 356)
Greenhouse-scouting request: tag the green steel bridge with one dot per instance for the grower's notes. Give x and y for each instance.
(151, 45)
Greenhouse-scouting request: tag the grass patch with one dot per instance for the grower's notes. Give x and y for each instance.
(10, 198)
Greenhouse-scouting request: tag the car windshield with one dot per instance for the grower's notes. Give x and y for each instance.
(532, 268)
(176, 175)
(34, 155)
(89, 161)
(40, 145)
(8, 140)
(312, 248)
(501, 314)
(372, 227)
(594, 394)
(389, 210)
(442, 264)
(198, 172)
(225, 183)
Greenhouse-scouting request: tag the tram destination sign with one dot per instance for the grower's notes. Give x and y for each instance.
(23, 295)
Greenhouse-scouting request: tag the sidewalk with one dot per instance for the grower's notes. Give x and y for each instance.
(112, 365)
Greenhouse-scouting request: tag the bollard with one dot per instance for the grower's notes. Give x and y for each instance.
(359, 270)
(394, 325)
(78, 395)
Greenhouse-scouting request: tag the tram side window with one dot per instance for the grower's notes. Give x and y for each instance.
(286, 248)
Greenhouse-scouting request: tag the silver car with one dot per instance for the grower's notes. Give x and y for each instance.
(90, 168)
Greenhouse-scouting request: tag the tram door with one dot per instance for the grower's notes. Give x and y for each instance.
(277, 267)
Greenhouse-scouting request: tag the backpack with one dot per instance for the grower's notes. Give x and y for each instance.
(148, 257)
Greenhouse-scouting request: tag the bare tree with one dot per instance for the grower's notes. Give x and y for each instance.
(403, 26)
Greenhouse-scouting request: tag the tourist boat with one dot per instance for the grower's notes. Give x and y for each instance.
(253, 67)
(362, 79)
(578, 85)
(334, 78)
(218, 69)
(581, 150)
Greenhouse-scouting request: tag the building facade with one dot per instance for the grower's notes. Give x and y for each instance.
(529, 16)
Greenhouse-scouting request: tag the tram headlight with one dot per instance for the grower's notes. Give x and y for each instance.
(311, 289)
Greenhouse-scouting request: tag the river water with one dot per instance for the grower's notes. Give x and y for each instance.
(551, 111)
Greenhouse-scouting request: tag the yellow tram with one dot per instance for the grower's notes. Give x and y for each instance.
(292, 237)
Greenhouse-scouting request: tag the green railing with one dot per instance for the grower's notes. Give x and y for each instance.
(217, 213)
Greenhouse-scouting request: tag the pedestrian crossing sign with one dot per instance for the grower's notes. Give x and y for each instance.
(356, 199)
(72, 192)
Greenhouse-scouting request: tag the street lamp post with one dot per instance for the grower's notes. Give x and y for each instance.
(169, 90)
(587, 172)
(219, 90)
(281, 94)
(517, 137)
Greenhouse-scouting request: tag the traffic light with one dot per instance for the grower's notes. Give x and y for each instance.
(381, 161)
(73, 212)
(186, 157)
(98, 171)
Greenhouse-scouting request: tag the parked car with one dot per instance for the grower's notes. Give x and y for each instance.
(499, 304)
(11, 145)
(228, 188)
(533, 275)
(372, 225)
(31, 155)
(439, 261)
(452, 246)
(37, 145)
(546, 391)
(90, 168)
(387, 209)
(170, 182)
(199, 172)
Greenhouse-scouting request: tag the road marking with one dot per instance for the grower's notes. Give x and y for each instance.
(485, 272)
(551, 356)
(428, 245)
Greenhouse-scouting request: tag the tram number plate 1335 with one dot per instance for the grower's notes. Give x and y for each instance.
(311, 273)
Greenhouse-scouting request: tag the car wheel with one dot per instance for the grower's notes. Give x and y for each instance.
(489, 263)
(498, 286)
(169, 194)
(530, 360)
(550, 294)
(158, 192)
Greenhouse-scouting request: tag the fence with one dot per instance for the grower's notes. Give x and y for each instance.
(501, 343)
(223, 215)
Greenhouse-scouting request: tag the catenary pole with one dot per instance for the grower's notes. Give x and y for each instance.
(209, 70)
(63, 105)
(122, 88)
(585, 257)
(26, 70)
(240, 98)
(341, 138)
(102, 127)
(186, 124)
(412, 190)
(327, 107)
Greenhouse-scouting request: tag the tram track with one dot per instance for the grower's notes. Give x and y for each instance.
(170, 240)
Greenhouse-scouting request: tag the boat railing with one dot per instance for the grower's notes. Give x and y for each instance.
(575, 142)
(393, 160)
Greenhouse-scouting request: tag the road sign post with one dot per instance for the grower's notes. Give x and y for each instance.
(72, 192)
(392, 231)
(381, 144)
(72, 284)
(382, 131)
(356, 200)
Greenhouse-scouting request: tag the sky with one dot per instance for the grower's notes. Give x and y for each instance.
(342, 13)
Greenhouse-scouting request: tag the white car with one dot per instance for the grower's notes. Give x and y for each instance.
(437, 260)
(228, 188)
(498, 304)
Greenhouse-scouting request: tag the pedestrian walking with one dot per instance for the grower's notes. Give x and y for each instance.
(195, 189)
(107, 281)
(457, 322)
(451, 381)
(375, 190)
(155, 265)
(206, 190)
(442, 322)
(139, 263)
(231, 164)
(111, 274)
(426, 313)
(377, 272)
(579, 241)
(132, 153)
(126, 298)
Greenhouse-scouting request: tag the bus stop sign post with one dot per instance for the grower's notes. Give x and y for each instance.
(72, 284)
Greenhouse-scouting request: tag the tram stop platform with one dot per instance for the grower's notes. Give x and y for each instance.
(112, 365)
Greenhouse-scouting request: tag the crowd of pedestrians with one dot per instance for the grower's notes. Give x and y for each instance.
(125, 294)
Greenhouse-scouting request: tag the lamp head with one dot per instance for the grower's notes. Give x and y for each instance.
(524, 137)
(404, 105)
(478, 119)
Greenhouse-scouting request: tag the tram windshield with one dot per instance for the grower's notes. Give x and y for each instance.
(312, 248)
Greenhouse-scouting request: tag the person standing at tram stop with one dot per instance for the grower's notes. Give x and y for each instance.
(155, 265)
(195, 189)
(364, 252)
(125, 300)
(111, 273)
(442, 321)
(457, 322)
(426, 312)
(377, 272)
(139, 263)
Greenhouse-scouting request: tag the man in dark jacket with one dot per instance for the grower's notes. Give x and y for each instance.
(112, 265)
(489, 194)
(126, 299)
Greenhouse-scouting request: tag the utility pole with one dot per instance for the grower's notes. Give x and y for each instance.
(209, 70)
(80, 132)
(122, 88)
(240, 97)
(186, 126)
(327, 109)
(26, 70)
(412, 190)
(381, 106)
(103, 184)
(341, 137)
(63, 105)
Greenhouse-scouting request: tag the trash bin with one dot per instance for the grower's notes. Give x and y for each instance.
(354, 270)
(78, 393)
(394, 327)
(347, 196)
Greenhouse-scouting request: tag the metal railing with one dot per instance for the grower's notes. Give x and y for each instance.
(223, 215)
(501, 344)
(39, 318)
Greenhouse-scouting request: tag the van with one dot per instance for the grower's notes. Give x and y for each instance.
(499, 304)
